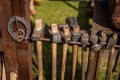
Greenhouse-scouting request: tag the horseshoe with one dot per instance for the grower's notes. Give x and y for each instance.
(15, 35)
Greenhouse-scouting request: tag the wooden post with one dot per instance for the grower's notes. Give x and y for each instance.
(17, 55)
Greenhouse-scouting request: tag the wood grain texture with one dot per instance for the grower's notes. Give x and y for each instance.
(65, 47)
(91, 65)
(40, 65)
(7, 43)
(18, 55)
(75, 54)
(54, 61)
(23, 50)
(84, 63)
(99, 56)
(110, 64)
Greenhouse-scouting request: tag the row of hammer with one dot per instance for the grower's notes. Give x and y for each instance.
(70, 33)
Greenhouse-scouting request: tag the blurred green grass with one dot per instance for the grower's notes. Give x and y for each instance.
(56, 12)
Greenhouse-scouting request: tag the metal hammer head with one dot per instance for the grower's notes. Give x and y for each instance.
(55, 34)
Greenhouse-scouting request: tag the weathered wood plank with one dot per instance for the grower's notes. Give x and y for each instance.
(23, 50)
(18, 55)
(8, 44)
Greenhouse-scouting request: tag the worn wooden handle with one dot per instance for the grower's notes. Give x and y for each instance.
(84, 63)
(91, 66)
(75, 53)
(54, 61)
(76, 29)
(110, 64)
(64, 61)
(98, 63)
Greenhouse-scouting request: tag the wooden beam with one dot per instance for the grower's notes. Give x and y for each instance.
(23, 50)
(7, 43)
(18, 55)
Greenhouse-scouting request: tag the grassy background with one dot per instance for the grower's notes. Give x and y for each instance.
(56, 12)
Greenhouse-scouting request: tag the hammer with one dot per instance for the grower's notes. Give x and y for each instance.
(55, 38)
(66, 37)
(95, 47)
(111, 49)
(84, 41)
(39, 33)
(72, 22)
